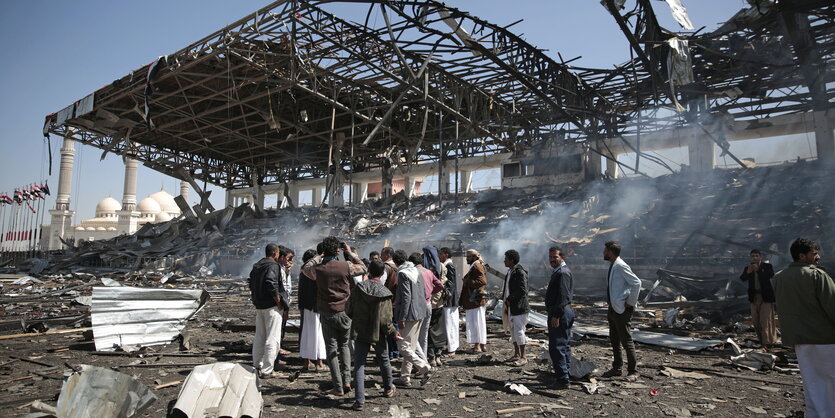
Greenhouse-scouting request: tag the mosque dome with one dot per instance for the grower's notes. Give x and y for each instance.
(166, 202)
(163, 217)
(148, 206)
(108, 205)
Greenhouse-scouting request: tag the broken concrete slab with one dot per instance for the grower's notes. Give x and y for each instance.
(130, 317)
(221, 390)
(99, 392)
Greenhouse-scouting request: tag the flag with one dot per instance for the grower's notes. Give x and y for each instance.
(18, 197)
(45, 188)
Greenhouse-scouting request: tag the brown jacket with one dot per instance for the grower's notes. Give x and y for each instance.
(334, 280)
(474, 281)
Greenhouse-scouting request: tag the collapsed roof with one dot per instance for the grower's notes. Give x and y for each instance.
(294, 91)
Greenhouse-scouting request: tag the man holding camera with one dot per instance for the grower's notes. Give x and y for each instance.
(758, 274)
(334, 279)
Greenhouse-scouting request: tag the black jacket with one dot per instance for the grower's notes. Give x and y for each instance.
(517, 296)
(560, 292)
(265, 282)
(764, 275)
(451, 287)
(306, 293)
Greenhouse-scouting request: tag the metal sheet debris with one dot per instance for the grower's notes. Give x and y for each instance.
(653, 338)
(99, 392)
(221, 390)
(130, 317)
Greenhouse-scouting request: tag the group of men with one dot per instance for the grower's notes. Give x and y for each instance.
(805, 296)
(407, 305)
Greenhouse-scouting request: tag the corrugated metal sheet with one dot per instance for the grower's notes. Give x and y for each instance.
(220, 390)
(134, 317)
(97, 392)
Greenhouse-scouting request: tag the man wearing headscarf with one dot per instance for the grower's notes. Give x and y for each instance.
(473, 299)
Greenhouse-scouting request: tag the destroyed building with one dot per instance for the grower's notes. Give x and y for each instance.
(295, 98)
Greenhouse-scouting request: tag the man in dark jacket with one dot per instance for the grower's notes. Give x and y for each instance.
(371, 321)
(451, 316)
(758, 274)
(334, 279)
(560, 316)
(515, 297)
(389, 279)
(270, 300)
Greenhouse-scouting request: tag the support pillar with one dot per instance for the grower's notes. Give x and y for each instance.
(612, 168)
(291, 195)
(592, 165)
(466, 181)
(336, 193)
(360, 193)
(257, 193)
(62, 215)
(824, 138)
(409, 186)
(443, 184)
(388, 176)
(701, 153)
(317, 196)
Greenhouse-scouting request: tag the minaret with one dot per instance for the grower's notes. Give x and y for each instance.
(184, 190)
(62, 215)
(128, 215)
(129, 195)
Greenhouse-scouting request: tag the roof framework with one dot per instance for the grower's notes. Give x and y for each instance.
(294, 91)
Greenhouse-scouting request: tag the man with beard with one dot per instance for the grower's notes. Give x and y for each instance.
(334, 280)
(515, 297)
(451, 317)
(622, 288)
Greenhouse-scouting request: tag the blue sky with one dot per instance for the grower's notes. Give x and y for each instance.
(57, 52)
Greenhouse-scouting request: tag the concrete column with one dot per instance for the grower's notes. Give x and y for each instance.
(129, 191)
(257, 193)
(387, 172)
(701, 153)
(62, 200)
(466, 181)
(360, 193)
(613, 168)
(824, 138)
(409, 186)
(336, 194)
(443, 183)
(184, 190)
(317, 196)
(292, 194)
(230, 200)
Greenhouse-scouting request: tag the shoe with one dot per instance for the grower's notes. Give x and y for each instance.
(561, 386)
(403, 381)
(346, 388)
(632, 377)
(521, 362)
(356, 406)
(433, 363)
(268, 375)
(612, 373)
(389, 393)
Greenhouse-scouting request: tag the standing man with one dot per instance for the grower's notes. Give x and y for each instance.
(374, 255)
(334, 280)
(370, 310)
(311, 340)
(622, 288)
(806, 296)
(758, 274)
(515, 297)
(270, 300)
(473, 299)
(409, 311)
(451, 317)
(285, 260)
(560, 316)
(389, 279)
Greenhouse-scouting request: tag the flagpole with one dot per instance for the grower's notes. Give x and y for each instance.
(2, 223)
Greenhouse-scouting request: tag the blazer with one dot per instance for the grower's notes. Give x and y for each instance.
(517, 298)
(623, 286)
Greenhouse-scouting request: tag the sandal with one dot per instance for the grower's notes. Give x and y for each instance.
(357, 406)
(389, 393)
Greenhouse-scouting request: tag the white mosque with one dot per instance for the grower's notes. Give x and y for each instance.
(111, 220)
